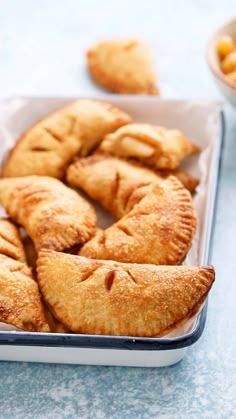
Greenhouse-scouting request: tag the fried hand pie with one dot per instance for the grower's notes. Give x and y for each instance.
(154, 146)
(123, 66)
(158, 229)
(47, 148)
(53, 215)
(20, 302)
(111, 298)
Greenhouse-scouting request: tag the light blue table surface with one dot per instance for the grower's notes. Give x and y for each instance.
(42, 45)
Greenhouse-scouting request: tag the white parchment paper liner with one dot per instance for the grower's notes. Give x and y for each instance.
(200, 121)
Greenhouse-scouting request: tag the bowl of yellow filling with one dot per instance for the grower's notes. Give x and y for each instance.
(221, 58)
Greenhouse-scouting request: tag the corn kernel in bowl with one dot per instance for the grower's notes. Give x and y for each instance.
(225, 46)
(229, 63)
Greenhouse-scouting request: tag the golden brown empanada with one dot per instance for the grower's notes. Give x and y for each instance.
(117, 184)
(10, 241)
(154, 146)
(53, 215)
(111, 298)
(159, 229)
(48, 147)
(123, 66)
(20, 303)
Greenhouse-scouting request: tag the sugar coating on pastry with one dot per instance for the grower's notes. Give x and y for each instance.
(20, 302)
(48, 147)
(123, 66)
(118, 184)
(53, 215)
(10, 241)
(111, 298)
(158, 229)
(155, 146)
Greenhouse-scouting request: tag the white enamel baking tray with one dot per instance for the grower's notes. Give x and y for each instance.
(203, 123)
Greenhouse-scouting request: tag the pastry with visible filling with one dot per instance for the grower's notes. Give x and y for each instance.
(117, 184)
(47, 148)
(155, 146)
(20, 302)
(53, 215)
(123, 66)
(158, 229)
(111, 298)
(10, 241)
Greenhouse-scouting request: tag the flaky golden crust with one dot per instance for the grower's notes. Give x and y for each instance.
(111, 298)
(10, 241)
(53, 215)
(159, 229)
(123, 66)
(48, 147)
(154, 146)
(117, 184)
(20, 303)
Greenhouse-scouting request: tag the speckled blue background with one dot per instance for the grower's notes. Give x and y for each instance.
(42, 46)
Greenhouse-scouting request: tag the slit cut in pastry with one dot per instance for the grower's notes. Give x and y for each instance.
(53, 215)
(117, 184)
(154, 146)
(10, 241)
(123, 66)
(47, 148)
(110, 298)
(20, 303)
(158, 229)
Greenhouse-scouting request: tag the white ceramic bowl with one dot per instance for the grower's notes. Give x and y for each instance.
(226, 87)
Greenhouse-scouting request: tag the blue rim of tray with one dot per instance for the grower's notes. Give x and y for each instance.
(127, 342)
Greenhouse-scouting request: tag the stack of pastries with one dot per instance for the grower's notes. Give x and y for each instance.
(60, 272)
